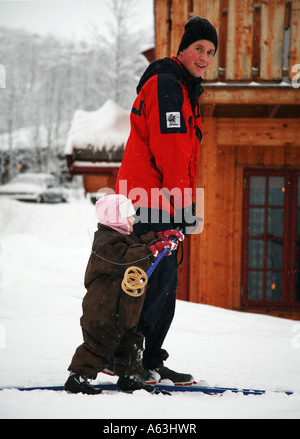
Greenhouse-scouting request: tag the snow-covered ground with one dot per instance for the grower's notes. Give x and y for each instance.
(43, 254)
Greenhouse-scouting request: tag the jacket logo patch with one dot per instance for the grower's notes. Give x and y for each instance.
(173, 119)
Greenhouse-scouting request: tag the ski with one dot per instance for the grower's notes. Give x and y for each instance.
(215, 389)
(211, 390)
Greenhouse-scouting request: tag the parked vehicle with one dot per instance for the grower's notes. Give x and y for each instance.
(42, 188)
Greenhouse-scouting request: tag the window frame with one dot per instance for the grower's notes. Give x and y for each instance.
(288, 269)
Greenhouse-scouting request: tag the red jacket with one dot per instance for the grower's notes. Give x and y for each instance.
(159, 165)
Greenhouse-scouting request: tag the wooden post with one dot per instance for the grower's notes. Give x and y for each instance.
(211, 11)
(272, 37)
(294, 55)
(162, 28)
(202, 286)
(237, 235)
(180, 15)
(239, 43)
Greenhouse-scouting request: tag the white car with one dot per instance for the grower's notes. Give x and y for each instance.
(42, 188)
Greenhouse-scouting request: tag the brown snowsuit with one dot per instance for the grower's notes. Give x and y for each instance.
(110, 316)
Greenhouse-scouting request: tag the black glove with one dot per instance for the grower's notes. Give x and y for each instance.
(186, 220)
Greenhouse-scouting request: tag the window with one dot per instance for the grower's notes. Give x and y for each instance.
(271, 238)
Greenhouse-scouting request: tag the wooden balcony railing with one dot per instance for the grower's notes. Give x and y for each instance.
(258, 40)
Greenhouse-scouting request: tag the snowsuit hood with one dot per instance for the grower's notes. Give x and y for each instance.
(174, 66)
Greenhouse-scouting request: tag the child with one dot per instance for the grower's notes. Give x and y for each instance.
(110, 316)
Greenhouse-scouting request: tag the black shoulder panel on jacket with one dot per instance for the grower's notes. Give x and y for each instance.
(170, 101)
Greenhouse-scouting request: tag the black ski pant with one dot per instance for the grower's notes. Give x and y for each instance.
(159, 305)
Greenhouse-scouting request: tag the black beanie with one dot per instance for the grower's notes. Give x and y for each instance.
(198, 28)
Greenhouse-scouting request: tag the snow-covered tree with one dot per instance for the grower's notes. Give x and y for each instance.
(47, 79)
(120, 49)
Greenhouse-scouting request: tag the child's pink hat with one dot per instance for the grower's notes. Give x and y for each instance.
(113, 211)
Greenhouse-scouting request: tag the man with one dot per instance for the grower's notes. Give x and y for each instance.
(159, 170)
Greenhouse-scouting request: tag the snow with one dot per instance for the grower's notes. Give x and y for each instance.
(107, 128)
(43, 255)
(250, 84)
(88, 164)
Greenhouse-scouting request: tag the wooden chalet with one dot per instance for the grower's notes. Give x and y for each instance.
(248, 256)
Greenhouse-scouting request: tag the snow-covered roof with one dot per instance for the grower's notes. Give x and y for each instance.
(107, 128)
